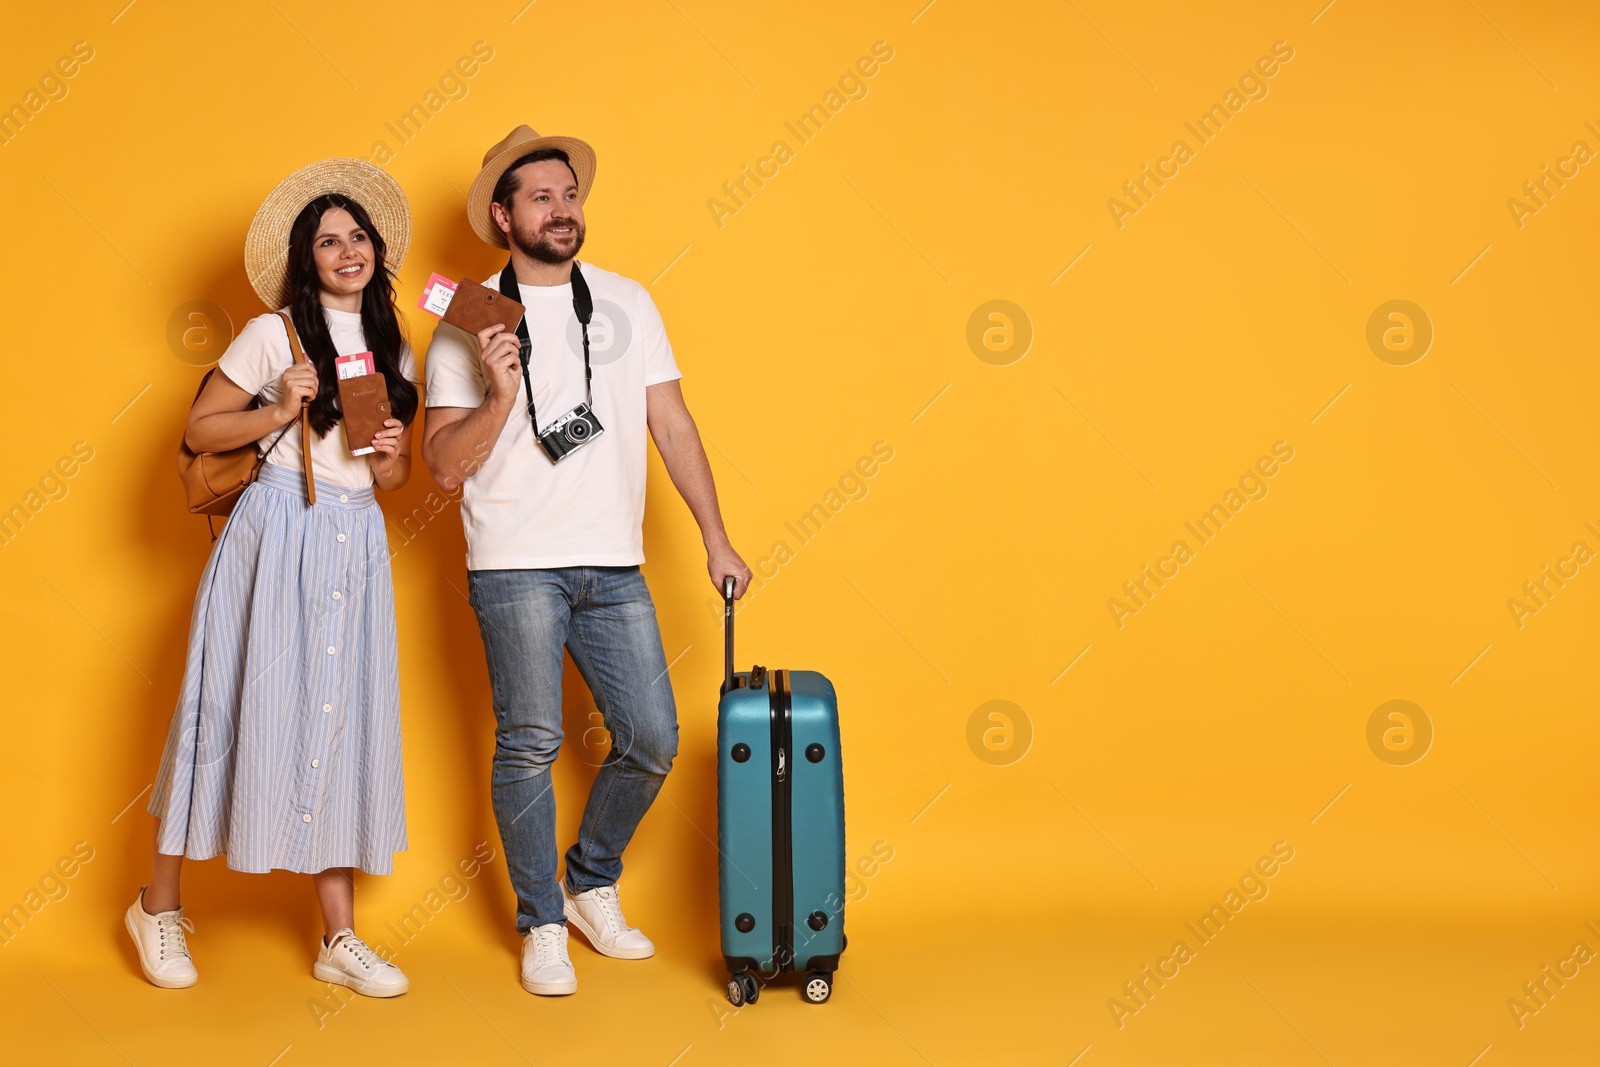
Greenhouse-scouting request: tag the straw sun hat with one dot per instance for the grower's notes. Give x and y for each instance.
(518, 143)
(266, 247)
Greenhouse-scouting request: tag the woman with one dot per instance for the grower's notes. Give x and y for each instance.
(284, 750)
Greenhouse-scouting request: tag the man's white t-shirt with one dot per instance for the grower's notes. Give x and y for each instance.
(520, 510)
(255, 362)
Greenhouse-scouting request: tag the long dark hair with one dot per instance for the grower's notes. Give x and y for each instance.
(379, 323)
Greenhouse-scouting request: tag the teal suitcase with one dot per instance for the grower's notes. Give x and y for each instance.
(780, 826)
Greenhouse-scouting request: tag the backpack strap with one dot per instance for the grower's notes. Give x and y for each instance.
(305, 420)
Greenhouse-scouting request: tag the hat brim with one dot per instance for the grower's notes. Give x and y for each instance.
(480, 195)
(266, 246)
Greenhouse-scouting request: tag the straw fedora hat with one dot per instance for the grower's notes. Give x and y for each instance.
(266, 246)
(518, 143)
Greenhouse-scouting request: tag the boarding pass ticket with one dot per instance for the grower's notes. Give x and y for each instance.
(354, 366)
(436, 295)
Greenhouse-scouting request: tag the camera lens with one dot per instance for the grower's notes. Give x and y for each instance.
(577, 431)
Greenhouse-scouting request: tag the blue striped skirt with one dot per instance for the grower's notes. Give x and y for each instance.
(284, 749)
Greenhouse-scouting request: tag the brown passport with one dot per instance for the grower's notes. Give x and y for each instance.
(364, 401)
(476, 307)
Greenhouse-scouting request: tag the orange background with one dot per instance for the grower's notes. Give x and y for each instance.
(1039, 860)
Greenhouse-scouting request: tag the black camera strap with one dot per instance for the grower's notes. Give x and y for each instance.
(582, 306)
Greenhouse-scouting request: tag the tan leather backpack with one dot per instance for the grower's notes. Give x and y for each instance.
(214, 481)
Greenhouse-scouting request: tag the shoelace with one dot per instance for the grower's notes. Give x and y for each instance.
(611, 907)
(173, 923)
(546, 944)
(362, 952)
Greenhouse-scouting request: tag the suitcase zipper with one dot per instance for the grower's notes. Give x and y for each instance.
(782, 839)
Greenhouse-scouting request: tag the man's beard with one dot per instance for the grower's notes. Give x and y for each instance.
(544, 248)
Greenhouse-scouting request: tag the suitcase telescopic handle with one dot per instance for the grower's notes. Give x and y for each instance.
(729, 583)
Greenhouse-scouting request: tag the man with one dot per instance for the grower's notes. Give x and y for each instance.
(554, 545)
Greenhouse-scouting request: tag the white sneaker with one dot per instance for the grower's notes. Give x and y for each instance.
(350, 962)
(163, 952)
(598, 913)
(546, 967)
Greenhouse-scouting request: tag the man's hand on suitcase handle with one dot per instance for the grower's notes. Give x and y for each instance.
(725, 563)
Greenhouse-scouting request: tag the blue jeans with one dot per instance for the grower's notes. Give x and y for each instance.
(604, 616)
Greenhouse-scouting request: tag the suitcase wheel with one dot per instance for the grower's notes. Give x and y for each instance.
(743, 989)
(818, 987)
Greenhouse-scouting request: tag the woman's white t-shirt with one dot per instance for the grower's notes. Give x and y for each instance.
(255, 362)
